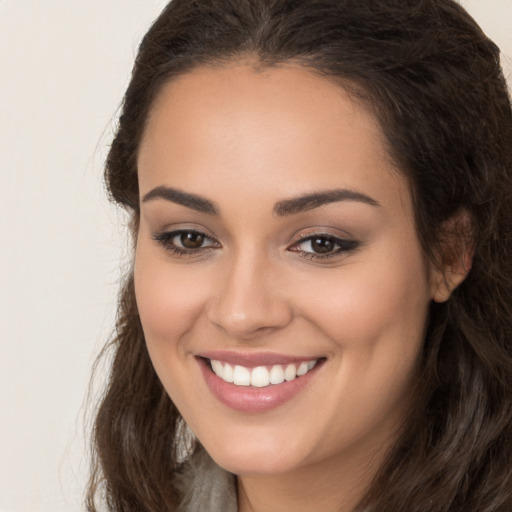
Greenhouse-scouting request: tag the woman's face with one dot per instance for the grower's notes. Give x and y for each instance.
(277, 245)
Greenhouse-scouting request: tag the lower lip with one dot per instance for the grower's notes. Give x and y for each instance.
(251, 399)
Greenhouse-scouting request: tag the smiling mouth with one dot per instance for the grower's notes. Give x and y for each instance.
(261, 376)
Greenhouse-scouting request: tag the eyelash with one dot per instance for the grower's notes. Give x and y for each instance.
(344, 245)
(167, 241)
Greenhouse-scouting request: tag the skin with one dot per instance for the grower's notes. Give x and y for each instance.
(246, 139)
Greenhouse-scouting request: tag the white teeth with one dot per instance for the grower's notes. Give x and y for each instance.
(302, 369)
(241, 376)
(290, 372)
(217, 367)
(261, 376)
(227, 373)
(276, 374)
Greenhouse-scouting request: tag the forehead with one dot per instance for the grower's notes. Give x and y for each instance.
(285, 92)
(282, 128)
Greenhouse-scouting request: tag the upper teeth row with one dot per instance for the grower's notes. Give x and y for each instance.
(260, 376)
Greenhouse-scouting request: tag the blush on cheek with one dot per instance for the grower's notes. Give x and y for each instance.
(163, 311)
(361, 310)
(169, 297)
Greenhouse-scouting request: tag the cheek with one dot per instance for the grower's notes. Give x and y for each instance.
(375, 321)
(168, 303)
(372, 307)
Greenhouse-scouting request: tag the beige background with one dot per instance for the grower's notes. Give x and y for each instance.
(64, 65)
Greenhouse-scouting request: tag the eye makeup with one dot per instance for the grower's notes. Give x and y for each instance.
(186, 242)
(320, 246)
(195, 243)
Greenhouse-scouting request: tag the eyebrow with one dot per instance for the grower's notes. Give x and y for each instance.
(281, 209)
(174, 195)
(317, 199)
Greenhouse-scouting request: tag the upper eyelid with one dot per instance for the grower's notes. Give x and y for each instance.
(306, 236)
(322, 234)
(323, 230)
(171, 233)
(168, 231)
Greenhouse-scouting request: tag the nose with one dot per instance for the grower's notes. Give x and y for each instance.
(250, 299)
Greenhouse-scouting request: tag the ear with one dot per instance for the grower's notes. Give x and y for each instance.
(455, 260)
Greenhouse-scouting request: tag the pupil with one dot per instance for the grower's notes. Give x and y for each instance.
(322, 245)
(192, 240)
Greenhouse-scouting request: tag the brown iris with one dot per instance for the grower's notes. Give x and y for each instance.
(192, 240)
(322, 245)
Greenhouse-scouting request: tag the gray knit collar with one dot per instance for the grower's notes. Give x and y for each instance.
(205, 486)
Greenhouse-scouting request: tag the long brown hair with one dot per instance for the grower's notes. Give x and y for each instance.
(434, 81)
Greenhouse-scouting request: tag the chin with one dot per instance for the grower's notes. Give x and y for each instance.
(260, 457)
(262, 464)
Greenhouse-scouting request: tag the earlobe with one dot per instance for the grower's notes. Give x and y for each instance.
(458, 250)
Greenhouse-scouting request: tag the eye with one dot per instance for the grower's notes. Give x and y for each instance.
(321, 245)
(189, 239)
(186, 242)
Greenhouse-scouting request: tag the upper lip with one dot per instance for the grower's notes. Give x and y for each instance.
(253, 359)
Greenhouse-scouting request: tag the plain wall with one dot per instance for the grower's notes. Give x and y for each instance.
(64, 65)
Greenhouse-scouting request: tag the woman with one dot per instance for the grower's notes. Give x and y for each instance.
(319, 312)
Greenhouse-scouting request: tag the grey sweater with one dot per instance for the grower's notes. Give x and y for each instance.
(206, 487)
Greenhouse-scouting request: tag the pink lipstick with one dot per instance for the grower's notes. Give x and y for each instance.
(256, 383)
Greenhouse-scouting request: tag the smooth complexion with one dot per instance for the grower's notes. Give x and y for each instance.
(231, 265)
